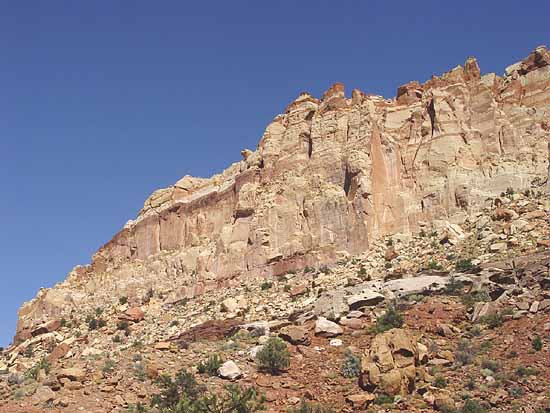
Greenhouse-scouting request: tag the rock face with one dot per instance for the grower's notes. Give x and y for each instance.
(329, 175)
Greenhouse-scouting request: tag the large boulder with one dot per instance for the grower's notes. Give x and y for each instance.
(327, 328)
(72, 373)
(295, 335)
(229, 370)
(365, 299)
(390, 365)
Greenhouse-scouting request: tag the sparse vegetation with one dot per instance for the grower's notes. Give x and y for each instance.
(123, 300)
(440, 382)
(383, 399)
(492, 365)
(470, 299)
(537, 343)
(95, 323)
(184, 395)
(492, 320)
(139, 371)
(274, 356)
(473, 406)
(34, 371)
(108, 366)
(465, 353)
(464, 265)
(454, 287)
(433, 265)
(210, 366)
(266, 285)
(307, 407)
(523, 371)
(351, 367)
(392, 318)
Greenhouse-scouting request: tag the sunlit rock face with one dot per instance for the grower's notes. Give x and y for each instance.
(328, 176)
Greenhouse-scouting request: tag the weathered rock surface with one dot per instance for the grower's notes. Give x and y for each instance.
(329, 175)
(391, 363)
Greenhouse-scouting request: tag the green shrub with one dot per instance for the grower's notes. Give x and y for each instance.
(325, 269)
(470, 299)
(537, 343)
(525, 371)
(33, 372)
(123, 300)
(266, 285)
(210, 366)
(392, 318)
(432, 265)
(184, 395)
(274, 356)
(351, 367)
(492, 320)
(440, 382)
(383, 399)
(473, 406)
(454, 287)
(307, 407)
(108, 366)
(515, 391)
(122, 325)
(465, 353)
(464, 264)
(492, 365)
(139, 371)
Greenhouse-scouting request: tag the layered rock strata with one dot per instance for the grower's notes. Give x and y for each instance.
(329, 176)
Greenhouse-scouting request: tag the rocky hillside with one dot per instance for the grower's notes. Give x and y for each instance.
(392, 254)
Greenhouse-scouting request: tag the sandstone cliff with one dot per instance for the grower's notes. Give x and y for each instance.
(329, 176)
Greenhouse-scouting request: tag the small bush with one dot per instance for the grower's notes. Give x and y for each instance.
(465, 353)
(492, 365)
(325, 269)
(392, 318)
(525, 371)
(96, 323)
(351, 367)
(492, 320)
(454, 287)
(139, 371)
(516, 391)
(33, 372)
(210, 366)
(440, 382)
(307, 407)
(383, 399)
(464, 264)
(274, 356)
(469, 300)
(108, 366)
(266, 285)
(184, 395)
(122, 325)
(537, 343)
(473, 406)
(432, 265)
(123, 300)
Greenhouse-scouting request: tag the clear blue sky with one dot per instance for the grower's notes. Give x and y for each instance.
(102, 102)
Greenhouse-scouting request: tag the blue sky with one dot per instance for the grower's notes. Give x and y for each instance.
(103, 102)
